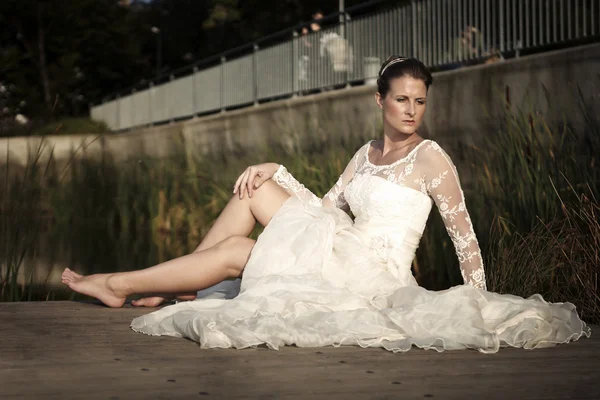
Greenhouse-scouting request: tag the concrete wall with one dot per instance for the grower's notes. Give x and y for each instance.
(463, 105)
(468, 102)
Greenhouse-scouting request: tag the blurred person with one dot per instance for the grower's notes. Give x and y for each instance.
(307, 65)
(338, 55)
(315, 25)
(469, 49)
(470, 43)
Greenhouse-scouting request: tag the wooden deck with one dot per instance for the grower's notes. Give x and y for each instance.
(60, 350)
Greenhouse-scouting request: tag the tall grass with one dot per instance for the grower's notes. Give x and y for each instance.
(515, 178)
(559, 258)
(524, 191)
(21, 211)
(537, 199)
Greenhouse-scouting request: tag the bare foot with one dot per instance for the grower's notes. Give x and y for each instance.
(96, 285)
(155, 301)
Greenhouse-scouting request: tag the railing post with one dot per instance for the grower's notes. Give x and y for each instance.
(222, 84)
(118, 119)
(150, 90)
(169, 101)
(194, 94)
(413, 7)
(132, 108)
(576, 8)
(342, 19)
(592, 22)
(255, 73)
(344, 35)
(294, 61)
(501, 28)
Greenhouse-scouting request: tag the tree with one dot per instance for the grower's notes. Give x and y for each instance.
(57, 56)
(61, 55)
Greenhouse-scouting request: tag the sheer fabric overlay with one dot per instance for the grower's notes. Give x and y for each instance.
(316, 277)
(427, 169)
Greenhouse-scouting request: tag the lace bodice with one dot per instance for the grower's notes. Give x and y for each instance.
(391, 203)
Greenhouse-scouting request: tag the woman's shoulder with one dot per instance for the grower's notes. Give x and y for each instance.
(431, 146)
(365, 147)
(426, 145)
(432, 153)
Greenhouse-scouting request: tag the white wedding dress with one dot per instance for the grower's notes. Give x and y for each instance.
(317, 278)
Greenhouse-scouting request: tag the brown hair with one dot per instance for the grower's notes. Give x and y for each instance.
(396, 67)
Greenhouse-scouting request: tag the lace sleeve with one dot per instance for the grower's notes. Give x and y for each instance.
(333, 198)
(443, 185)
(294, 188)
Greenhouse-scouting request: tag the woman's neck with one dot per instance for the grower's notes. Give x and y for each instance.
(398, 140)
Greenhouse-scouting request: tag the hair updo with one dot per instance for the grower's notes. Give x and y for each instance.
(396, 67)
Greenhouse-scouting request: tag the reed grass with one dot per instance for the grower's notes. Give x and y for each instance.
(559, 258)
(518, 176)
(524, 194)
(543, 185)
(21, 211)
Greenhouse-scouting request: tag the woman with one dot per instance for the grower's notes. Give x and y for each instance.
(316, 278)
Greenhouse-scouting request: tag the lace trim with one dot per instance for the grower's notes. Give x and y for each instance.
(451, 206)
(395, 163)
(390, 172)
(335, 195)
(287, 181)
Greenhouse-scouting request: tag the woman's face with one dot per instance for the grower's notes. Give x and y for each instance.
(404, 105)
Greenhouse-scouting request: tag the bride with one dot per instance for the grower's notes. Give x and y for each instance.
(315, 277)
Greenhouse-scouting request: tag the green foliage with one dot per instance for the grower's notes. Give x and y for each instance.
(525, 193)
(559, 257)
(515, 179)
(529, 161)
(58, 56)
(223, 11)
(21, 211)
(537, 195)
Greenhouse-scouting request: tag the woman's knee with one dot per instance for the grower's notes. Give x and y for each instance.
(266, 201)
(270, 188)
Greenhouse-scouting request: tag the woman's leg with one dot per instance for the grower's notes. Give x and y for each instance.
(185, 274)
(240, 215)
(237, 219)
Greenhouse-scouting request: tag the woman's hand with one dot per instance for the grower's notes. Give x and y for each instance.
(253, 177)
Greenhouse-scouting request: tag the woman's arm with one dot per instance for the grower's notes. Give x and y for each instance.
(444, 187)
(286, 181)
(334, 197)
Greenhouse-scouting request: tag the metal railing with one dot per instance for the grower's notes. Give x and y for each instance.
(444, 34)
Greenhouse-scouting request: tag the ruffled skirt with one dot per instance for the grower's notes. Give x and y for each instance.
(314, 280)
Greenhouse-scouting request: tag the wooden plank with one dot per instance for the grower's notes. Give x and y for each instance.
(80, 350)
